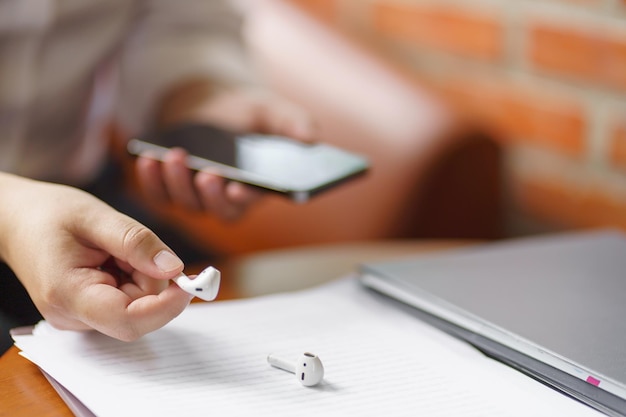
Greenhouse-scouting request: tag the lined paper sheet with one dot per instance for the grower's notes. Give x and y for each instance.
(212, 360)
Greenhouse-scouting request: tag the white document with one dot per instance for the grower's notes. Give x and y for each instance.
(211, 360)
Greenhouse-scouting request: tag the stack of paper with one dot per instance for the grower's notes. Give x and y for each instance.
(212, 361)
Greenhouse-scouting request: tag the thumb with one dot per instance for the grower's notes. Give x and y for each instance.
(128, 240)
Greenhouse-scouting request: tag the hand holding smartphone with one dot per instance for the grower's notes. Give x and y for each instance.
(294, 169)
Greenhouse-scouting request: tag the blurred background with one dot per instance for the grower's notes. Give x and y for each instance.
(483, 120)
(546, 78)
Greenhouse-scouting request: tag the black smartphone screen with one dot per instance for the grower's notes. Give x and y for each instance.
(272, 162)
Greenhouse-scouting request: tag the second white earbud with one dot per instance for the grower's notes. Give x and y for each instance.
(205, 286)
(308, 368)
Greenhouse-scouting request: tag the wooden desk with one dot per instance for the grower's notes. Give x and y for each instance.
(25, 392)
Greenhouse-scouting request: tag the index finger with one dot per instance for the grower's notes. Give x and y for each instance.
(119, 316)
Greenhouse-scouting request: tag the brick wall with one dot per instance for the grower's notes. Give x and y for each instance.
(547, 76)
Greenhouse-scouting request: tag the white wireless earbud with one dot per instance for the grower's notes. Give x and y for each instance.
(204, 286)
(308, 368)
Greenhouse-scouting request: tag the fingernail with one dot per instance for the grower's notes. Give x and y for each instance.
(166, 261)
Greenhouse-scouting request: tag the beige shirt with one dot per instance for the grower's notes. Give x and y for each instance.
(68, 67)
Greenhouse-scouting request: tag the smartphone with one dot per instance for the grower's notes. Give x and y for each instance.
(276, 163)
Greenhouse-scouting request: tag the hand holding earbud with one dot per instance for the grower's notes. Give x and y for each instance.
(308, 368)
(205, 286)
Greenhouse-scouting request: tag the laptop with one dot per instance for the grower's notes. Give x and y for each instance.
(552, 306)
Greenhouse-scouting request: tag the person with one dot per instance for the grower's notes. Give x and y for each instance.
(68, 70)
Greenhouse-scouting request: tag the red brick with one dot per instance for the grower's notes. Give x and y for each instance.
(461, 32)
(575, 53)
(618, 143)
(571, 205)
(554, 122)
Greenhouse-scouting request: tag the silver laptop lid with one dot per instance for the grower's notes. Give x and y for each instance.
(559, 299)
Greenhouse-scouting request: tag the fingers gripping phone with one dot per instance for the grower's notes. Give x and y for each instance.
(276, 163)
